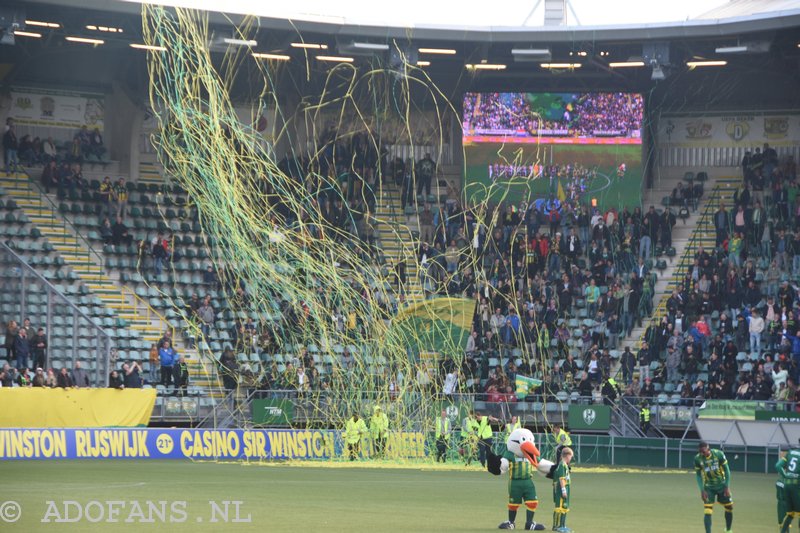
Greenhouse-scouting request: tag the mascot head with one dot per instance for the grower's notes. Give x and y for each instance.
(521, 444)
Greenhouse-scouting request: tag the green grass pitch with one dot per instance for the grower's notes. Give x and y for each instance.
(363, 498)
(606, 188)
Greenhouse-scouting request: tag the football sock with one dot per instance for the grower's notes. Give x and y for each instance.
(781, 508)
(556, 519)
(707, 522)
(528, 516)
(563, 520)
(512, 515)
(787, 521)
(728, 519)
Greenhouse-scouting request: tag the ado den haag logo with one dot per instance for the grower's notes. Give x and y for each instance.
(737, 129)
(164, 443)
(452, 412)
(589, 416)
(698, 129)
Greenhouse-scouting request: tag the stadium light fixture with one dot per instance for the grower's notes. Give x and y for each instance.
(42, 24)
(377, 47)
(751, 47)
(523, 55)
(560, 65)
(704, 63)
(731, 49)
(626, 64)
(530, 51)
(337, 59)
(274, 57)
(106, 29)
(240, 42)
(84, 40)
(312, 46)
(440, 51)
(19, 33)
(423, 63)
(151, 47)
(486, 66)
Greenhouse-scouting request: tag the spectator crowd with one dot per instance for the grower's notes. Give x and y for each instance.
(581, 115)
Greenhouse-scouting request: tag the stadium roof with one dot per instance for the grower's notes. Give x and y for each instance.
(512, 21)
(754, 44)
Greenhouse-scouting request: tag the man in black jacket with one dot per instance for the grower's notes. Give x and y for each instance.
(643, 358)
(39, 348)
(22, 348)
(721, 224)
(181, 376)
(628, 364)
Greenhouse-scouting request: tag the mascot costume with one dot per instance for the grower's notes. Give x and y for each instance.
(520, 461)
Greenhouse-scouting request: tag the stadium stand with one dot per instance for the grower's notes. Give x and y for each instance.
(557, 276)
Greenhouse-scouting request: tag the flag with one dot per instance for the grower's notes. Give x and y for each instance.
(561, 194)
(526, 385)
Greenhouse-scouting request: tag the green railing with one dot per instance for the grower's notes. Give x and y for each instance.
(687, 258)
(91, 255)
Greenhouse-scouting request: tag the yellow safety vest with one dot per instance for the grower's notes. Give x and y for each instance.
(484, 428)
(353, 430)
(379, 425)
(563, 438)
(511, 427)
(443, 428)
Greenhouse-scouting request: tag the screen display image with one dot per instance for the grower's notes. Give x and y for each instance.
(527, 146)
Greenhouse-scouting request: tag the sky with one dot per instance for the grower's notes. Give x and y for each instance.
(452, 13)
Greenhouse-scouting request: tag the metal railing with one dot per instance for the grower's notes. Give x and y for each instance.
(62, 221)
(19, 277)
(93, 257)
(687, 258)
(318, 408)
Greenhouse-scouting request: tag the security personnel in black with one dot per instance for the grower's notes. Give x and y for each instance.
(610, 391)
(644, 418)
(180, 375)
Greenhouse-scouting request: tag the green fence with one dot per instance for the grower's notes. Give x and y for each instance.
(656, 453)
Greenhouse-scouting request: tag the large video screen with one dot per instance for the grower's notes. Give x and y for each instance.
(584, 118)
(527, 146)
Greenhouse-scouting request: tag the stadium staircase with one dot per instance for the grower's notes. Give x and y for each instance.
(398, 228)
(86, 263)
(149, 173)
(696, 231)
(398, 238)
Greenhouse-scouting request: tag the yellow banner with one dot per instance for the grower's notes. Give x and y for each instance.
(458, 311)
(75, 408)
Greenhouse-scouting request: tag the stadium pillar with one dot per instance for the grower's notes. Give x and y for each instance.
(48, 324)
(74, 336)
(97, 362)
(23, 298)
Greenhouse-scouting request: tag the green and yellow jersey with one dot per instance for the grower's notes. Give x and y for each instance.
(712, 471)
(561, 472)
(518, 468)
